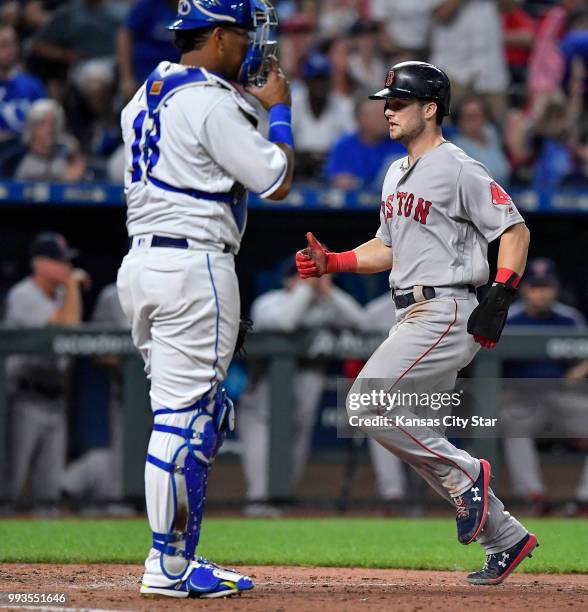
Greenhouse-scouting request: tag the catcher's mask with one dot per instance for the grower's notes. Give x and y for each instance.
(257, 16)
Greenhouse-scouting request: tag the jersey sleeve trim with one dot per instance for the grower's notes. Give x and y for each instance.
(380, 236)
(516, 221)
(277, 184)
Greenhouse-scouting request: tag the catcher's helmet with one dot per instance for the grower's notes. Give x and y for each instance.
(417, 80)
(257, 16)
(194, 14)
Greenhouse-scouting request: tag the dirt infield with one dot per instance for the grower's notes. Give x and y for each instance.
(281, 589)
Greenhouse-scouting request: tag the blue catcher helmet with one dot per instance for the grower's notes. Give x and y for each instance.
(257, 16)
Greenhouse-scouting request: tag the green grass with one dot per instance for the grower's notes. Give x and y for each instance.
(385, 543)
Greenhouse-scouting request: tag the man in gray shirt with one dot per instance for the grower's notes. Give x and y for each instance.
(51, 295)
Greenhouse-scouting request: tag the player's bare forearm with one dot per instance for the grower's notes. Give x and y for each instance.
(514, 246)
(124, 47)
(373, 256)
(71, 310)
(284, 189)
(447, 10)
(54, 52)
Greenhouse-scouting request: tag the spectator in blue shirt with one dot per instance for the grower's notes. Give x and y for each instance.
(579, 177)
(144, 41)
(18, 90)
(523, 414)
(574, 46)
(479, 138)
(539, 307)
(358, 159)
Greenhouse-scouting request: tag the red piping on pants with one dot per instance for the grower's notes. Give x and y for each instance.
(446, 459)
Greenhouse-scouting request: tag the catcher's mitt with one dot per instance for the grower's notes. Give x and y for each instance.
(245, 326)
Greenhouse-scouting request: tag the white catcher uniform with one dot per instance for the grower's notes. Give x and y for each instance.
(191, 152)
(438, 217)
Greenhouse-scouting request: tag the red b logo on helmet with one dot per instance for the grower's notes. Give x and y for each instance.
(390, 78)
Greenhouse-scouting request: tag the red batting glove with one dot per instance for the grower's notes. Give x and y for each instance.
(306, 266)
(317, 252)
(489, 344)
(315, 260)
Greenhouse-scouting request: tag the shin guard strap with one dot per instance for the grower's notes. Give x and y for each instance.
(164, 465)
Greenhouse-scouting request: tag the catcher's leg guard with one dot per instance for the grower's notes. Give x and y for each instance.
(197, 448)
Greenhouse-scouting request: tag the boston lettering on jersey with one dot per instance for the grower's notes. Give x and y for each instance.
(406, 205)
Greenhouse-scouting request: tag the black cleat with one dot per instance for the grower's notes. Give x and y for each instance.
(499, 566)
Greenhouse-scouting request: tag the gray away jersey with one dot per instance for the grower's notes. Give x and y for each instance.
(28, 306)
(439, 216)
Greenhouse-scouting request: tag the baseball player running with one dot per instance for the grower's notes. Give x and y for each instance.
(192, 151)
(439, 211)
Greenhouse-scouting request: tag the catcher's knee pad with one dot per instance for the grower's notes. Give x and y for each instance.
(188, 472)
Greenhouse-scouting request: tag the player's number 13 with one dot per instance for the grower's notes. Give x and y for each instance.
(145, 147)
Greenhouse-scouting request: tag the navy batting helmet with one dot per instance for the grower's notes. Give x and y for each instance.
(418, 80)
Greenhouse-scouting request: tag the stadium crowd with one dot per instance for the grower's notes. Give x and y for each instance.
(518, 71)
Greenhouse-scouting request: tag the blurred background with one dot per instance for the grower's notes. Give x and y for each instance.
(74, 415)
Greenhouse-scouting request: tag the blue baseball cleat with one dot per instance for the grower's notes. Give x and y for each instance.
(499, 566)
(208, 580)
(472, 507)
(204, 580)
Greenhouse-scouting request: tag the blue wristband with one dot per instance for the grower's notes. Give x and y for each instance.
(280, 129)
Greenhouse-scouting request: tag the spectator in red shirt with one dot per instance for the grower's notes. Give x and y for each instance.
(519, 29)
(546, 63)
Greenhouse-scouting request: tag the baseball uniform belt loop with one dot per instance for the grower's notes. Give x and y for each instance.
(420, 293)
(169, 243)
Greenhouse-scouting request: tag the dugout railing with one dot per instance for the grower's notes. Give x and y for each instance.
(281, 351)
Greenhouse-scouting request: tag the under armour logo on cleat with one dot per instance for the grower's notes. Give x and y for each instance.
(476, 497)
(505, 556)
